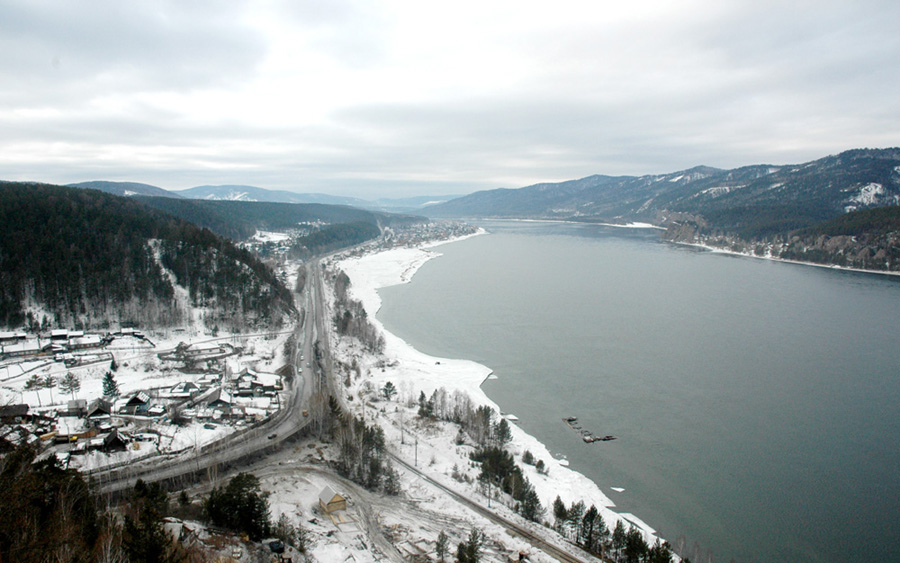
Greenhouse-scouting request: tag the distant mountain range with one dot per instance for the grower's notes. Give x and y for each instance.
(256, 194)
(755, 200)
(841, 209)
(252, 193)
(838, 210)
(125, 189)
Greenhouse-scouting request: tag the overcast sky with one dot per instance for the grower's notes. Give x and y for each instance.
(392, 98)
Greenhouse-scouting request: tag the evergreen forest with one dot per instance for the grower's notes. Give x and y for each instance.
(86, 259)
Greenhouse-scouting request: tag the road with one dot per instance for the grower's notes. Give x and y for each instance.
(253, 441)
(513, 528)
(313, 375)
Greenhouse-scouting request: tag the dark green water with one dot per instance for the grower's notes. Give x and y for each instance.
(757, 404)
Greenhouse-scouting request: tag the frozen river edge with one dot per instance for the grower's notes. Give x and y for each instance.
(423, 373)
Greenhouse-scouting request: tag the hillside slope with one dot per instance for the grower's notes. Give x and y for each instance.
(231, 192)
(77, 257)
(239, 220)
(125, 189)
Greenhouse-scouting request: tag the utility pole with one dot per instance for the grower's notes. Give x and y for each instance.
(416, 457)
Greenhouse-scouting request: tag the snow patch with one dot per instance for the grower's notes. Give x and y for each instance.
(716, 191)
(266, 236)
(867, 195)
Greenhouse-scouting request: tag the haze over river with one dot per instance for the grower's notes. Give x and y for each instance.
(756, 403)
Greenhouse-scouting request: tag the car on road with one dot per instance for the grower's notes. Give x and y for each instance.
(272, 436)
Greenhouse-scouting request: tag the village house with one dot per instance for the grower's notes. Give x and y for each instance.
(203, 349)
(12, 337)
(59, 335)
(330, 501)
(253, 384)
(84, 342)
(183, 390)
(115, 442)
(220, 399)
(223, 405)
(13, 414)
(99, 408)
(137, 404)
(23, 348)
(18, 435)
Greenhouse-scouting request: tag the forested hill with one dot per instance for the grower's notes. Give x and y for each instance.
(82, 258)
(759, 209)
(125, 189)
(239, 220)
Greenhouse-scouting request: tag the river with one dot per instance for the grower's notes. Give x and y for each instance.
(755, 403)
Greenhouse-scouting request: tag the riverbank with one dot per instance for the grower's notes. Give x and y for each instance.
(711, 248)
(719, 250)
(413, 372)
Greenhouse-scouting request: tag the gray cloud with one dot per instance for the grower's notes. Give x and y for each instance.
(359, 99)
(66, 52)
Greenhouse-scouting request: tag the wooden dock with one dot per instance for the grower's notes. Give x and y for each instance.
(587, 436)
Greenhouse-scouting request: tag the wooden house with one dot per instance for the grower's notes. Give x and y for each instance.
(13, 414)
(115, 442)
(138, 403)
(12, 337)
(99, 408)
(220, 399)
(330, 501)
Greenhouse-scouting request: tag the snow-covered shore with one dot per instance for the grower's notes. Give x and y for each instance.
(720, 250)
(409, 369)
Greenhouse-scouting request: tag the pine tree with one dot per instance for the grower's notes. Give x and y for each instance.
(388, 391)
(560, 513)
(110, 387)
(530, 507)
(635, 546)
(502, 432)
(470, 551)
(145, 539)
(441, 545)
(575, 514)
(241, 506)
(618, 536)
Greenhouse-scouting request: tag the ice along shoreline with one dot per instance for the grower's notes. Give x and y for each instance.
(425, 373)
